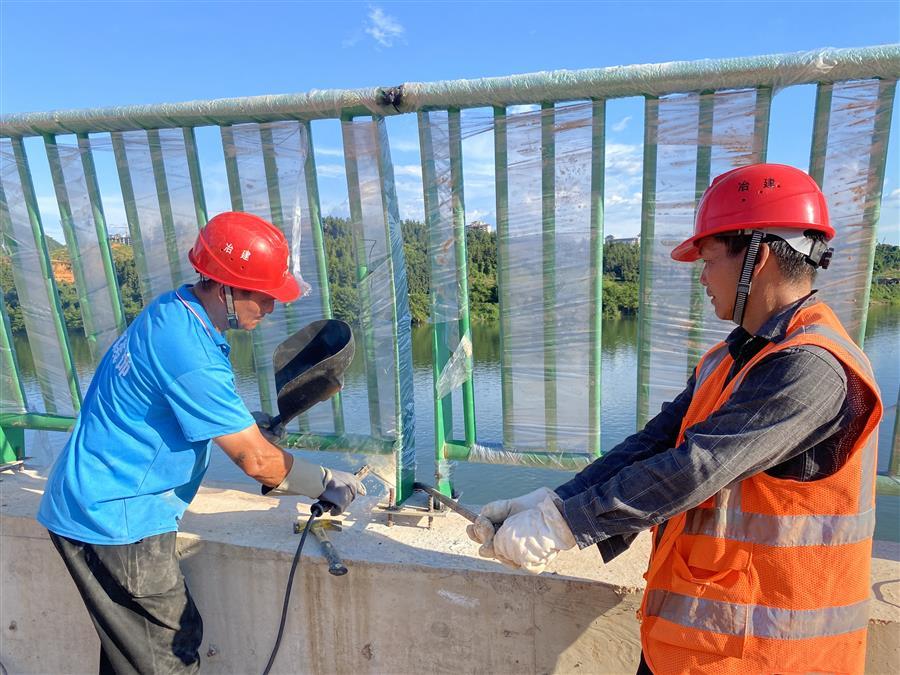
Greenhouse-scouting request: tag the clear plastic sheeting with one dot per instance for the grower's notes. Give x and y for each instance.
(13, 398)
(384, 335)
(545, 275)
(441, 134)
(443, 202)
(159, 204)
(849, 154)
(265, 165)
(24, 250)
(85, 232)
(457, 370)
(690, 139)
(500, 454)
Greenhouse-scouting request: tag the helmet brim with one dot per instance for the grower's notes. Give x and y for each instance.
(689, 251)
(288, 291)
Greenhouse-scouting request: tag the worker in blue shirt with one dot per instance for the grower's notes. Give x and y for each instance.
(141, 445)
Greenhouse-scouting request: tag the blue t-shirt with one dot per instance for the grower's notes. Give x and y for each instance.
(140, 445)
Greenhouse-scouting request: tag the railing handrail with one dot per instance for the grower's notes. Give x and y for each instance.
(774, 71)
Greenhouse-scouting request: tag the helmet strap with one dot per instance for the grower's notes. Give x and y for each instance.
(746, 278)
(229, 308)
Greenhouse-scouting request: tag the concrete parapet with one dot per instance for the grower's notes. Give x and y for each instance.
(416, 600)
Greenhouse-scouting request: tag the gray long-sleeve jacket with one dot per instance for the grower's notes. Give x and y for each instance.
(791, 417)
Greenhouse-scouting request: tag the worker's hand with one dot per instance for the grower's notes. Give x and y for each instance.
(274, 434)
(531, 539)
(494, 513)
(341, 488)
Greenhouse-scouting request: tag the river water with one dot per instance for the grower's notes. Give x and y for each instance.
(478, 483)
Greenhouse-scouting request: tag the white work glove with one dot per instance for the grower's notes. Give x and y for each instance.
(494, 513)
(341, 488)
(531, 539)
(274, 434)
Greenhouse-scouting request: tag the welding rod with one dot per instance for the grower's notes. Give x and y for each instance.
(451, 504)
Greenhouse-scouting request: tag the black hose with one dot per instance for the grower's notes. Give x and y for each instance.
(287, 595)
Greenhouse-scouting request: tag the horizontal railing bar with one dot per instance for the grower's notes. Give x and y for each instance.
(355, 443)
(775, 71)
(37, 421)
(496, 453)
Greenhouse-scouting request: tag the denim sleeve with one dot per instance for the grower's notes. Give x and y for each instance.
(659, 434)
(786, 405)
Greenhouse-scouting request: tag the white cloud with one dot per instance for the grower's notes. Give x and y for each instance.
(404, 145)
(408, 170)
(330, 171)
(329, 152)
(621, 124)
(384, 28)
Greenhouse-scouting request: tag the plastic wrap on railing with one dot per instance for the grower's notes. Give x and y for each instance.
(160, 206)
(31, 298)
(545, 277)
(443, 205)
(848, 160)
(84, 227)
(689, 139)
(12, 393)
(266, 175)
(384, 320)
(533, 457)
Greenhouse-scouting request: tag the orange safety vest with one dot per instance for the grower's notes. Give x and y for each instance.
(770, 575)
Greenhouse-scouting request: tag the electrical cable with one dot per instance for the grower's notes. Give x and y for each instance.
(287, 592)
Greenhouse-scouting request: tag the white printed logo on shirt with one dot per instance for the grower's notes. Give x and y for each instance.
(120, 356)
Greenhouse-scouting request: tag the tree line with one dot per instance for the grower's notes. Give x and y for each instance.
(621, 275)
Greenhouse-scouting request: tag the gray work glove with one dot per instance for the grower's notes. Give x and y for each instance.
(341, 488)
(304, 478)
(274, 434)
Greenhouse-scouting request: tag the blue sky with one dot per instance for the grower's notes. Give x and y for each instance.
(58, 55)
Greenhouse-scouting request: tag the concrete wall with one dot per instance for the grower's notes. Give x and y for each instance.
(416, 600)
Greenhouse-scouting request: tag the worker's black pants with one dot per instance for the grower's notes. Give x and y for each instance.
(139, 603)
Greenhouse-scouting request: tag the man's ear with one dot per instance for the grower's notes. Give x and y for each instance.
(763, 256)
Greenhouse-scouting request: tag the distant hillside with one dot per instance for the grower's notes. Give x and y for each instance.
(621, 273)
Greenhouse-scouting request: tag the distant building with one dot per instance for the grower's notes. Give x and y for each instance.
(633, 241)
(479, 225)
(124, 239)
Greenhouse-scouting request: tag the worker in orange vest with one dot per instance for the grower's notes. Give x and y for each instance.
(758, 480)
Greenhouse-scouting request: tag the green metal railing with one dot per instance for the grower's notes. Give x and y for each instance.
(712, 83)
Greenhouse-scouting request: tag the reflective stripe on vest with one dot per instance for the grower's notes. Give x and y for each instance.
(769, 530)
(710, 362)
(730, 618)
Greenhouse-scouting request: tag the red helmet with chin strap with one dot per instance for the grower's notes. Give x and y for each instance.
(763, 201)
(758, 197)
(244, 251)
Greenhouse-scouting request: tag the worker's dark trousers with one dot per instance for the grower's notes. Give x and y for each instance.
(139, 603)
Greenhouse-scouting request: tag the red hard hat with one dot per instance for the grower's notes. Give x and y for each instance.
(757, 197)
(244, 251)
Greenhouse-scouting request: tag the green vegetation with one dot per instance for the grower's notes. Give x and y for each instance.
(126, 274)
(621, 267)
(886, 275)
